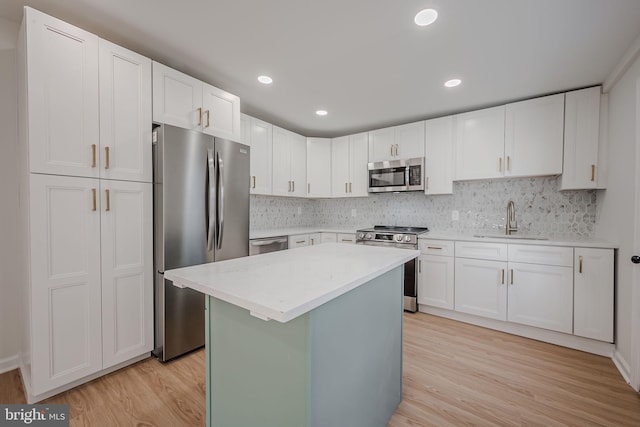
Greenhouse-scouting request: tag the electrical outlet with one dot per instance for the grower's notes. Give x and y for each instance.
(455, 215)
(353, 212)
(299, 210)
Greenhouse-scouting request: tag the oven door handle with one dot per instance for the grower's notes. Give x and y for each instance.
(388, 244)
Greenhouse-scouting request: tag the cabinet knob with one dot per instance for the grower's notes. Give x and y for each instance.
(635, 259)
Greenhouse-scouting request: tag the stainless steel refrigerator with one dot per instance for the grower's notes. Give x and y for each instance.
(201, 215)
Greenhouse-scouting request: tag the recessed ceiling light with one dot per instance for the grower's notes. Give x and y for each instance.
(322, 112)
(452, 82)
(266, 80)
(425, 17)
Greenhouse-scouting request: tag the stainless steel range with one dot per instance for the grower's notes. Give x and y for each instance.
(397, 237)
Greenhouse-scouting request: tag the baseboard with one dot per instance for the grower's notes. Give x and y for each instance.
(37, 398)
(8, 364)
(622, 365)
(558, 338)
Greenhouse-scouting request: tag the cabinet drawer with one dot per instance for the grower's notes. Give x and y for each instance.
(436, 247)
(298, 241)
(548, 255)
(346, 238)
(490, 251)
(328, 237)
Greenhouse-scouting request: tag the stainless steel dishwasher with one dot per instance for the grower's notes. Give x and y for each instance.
(270, 244)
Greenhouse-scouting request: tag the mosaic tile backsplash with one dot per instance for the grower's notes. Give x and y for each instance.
(540, 209)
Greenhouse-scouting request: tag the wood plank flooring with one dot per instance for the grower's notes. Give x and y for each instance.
(454, 374)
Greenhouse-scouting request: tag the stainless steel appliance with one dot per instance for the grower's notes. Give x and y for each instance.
(397, 237)
(270, 244)
(201, 214)
(396, 175)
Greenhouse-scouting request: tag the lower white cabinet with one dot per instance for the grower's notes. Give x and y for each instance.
(346, 238)
(315, 239)
(481, 287)
(328, 237)
(435, 281)
(593, 293)
(298, 241)
(90, 296)
(541, 296)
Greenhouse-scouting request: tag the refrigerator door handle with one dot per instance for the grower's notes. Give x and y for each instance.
(220, 205)
(212, 199)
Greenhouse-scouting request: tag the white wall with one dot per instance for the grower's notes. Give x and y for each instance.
(617, 204)
(9, 282)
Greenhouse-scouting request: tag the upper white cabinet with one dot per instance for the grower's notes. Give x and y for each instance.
(318, 167)
(479, 144)
(593, 293)
(183, 101)
(62, 88)
(289, 163)
(533, 137)
(259, 136)
(349, 166)
(125, 114)
(583, 148)
(439, 156)
(397, 142)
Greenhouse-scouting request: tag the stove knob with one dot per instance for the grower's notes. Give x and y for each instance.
(398, 237)
(407, 238)
(360, 236)
(368, 236)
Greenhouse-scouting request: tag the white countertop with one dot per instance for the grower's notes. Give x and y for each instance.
(262, 234)
(496, 237)
(284, 285)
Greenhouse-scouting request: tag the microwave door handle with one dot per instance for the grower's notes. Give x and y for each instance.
(220, 200)
(211, 189)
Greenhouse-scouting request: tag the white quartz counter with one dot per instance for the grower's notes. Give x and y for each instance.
(520, 239)
(263, 234)
(284, 285)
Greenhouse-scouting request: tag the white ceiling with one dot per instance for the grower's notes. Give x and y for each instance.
(365, 61)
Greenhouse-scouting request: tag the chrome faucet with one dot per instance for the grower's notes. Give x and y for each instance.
(512, 224)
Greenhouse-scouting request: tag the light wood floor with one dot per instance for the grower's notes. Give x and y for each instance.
(454, 374)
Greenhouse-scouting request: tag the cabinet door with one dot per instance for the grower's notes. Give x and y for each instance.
(298, 241)
(261, 135)
(593, 294)
(66, 335)
(358, 172)
(439, 156)
(480, 288)
(435, 281)
(318, 167)
(177, 98)
(220, 113)
(340, 166)
(541, 296)
(581, 130)
(298, 144)
(315, 239)
(125, 114)
(409, 140)
(479, 144)
(382, 145)
(127, 270)
(281, 162)
(534, 136)
(62, 86)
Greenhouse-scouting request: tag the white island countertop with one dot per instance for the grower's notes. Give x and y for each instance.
(284, 285)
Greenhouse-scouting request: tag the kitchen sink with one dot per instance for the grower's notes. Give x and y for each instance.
(511, 236)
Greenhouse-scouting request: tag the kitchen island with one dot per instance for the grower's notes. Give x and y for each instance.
(306, 337)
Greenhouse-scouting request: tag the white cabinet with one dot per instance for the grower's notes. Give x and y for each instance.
(289, 163)
(346, 238)
(436, 274)
(480, 287)
(328, 237)
(127, 273)
(349, 175)
(62, 89)
(439, 156)
(298, 241)
(583, 167)
(183, 101)
(593, 293)
(315, 239)
(318, 167)
(259, 136)
(397, 142)
(479, 144)
(533, 137)
(125, 114)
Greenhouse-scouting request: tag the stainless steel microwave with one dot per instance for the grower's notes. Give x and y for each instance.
(396, 175)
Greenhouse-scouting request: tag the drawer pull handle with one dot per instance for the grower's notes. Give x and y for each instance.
(108, 194)
(106, 163)
(580, 262)
(593, 172)
(200, 116)
(93, 155)
(502, 279)
(420, 266)
(434, 247)
(499, 164)
(93, 191)
(511, 276)
(299, 241)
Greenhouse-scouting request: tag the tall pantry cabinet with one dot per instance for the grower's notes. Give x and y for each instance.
(85, 144)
